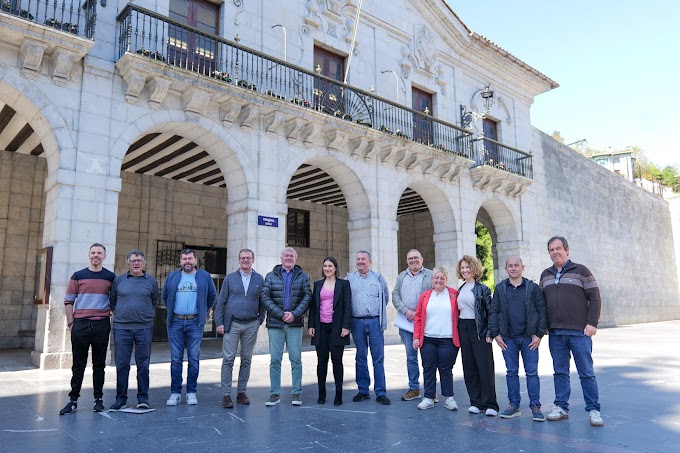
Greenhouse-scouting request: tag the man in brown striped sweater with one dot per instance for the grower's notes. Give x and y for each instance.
(572, 300)
(88, 319)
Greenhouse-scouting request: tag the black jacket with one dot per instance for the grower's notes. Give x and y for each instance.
(482, 308)
(271, 297)
(342, 312)
(534, 304)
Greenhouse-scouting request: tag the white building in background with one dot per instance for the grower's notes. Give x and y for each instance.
(223, 125)
(620, 162)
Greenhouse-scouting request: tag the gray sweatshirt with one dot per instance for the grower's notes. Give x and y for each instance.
(133, 300)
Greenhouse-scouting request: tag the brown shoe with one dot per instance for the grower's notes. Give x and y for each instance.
(241, 398)
(411, 395)
(227, 403)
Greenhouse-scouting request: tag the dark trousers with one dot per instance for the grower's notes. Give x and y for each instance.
(438, 354)
(85, 334)
(124, 341)
(478, 368)
(322, 352)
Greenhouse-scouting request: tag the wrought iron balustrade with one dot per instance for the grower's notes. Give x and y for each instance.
(72, 17)
(160, 38)
(495, 154)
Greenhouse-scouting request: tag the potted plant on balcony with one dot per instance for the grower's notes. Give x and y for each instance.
(385, 129)
(302, 102)
(52, 22)
(155, 55)
(223, 76)
(245, 84)
(362, 122)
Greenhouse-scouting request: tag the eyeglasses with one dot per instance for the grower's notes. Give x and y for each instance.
(413, 258)
(136, 261)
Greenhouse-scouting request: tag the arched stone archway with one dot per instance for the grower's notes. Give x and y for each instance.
(435, 230)
(499, 220)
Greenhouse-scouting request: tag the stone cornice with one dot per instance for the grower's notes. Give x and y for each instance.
(35, 41)
(493, 179)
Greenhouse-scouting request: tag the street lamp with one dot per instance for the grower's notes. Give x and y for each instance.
(285, 42)
(396, 87)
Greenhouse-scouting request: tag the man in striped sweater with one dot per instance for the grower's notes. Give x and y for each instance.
(88, 319)
(572, 300)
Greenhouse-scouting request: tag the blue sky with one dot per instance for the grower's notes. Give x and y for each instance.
(617, 63)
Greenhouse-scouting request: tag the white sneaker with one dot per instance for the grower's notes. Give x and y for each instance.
(596, 418)
(426, 403)
(191, 399)
(491, 412)
(557, 414)
(473, 410)
(173, 400)
(451, 404)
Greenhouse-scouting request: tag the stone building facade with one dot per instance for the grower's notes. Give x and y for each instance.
(192, 123)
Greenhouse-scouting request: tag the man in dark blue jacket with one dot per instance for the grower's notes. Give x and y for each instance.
(518, 321)
(188, 294)
(286, 295)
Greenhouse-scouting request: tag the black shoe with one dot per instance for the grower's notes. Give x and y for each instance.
(118, 405)
(98, 405)
(360, 397)
(322, 396)
(338, 399)
(143, 405)
(71, 406)
(382, 399)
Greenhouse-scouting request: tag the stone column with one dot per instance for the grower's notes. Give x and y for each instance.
(446, 251)
(80, 209)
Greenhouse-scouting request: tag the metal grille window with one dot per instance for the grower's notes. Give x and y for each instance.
(297, 228)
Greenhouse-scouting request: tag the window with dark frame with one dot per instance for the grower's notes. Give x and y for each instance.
(297, 228)
(191, 50)
(422, 126)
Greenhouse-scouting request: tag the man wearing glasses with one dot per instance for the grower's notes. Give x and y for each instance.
(573, 304)
(238, 316)
(133, 300)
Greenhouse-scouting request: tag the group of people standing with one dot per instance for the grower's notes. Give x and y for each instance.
(94, 293)
(433, 319)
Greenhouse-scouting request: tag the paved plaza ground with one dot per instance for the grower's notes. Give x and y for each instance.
(638, 369)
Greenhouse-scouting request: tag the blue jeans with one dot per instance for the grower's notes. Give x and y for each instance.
(292, 338)
(366, 333)
(184, 334)
(581, 348)
(530, 360)
(123, 341)
(412, 366)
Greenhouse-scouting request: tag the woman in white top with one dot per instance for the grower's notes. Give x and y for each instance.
(474, 304)
(435, 333)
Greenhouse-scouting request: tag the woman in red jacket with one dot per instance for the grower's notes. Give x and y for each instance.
(435, 333)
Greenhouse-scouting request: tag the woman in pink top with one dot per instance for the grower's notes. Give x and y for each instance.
(330, 315)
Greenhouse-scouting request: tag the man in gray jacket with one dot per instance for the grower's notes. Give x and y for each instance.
(410, 284)
(133, 299)
(286, 295)
(238, 315)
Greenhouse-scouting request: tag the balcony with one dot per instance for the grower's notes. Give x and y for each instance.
(61, 30)
(163, 55)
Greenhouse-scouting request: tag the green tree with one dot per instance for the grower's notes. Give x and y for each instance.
(484, 253)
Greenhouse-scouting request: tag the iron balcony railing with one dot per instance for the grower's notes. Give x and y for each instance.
(152, 35)
(495, 154)
(71, 17)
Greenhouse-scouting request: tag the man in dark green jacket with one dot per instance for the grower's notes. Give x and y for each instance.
(517, 321)
(286, 296)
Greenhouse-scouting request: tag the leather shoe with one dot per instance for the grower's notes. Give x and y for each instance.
(241, 398)
(227, 403)
(360, 397)
(382, 399)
